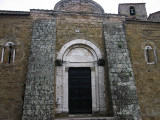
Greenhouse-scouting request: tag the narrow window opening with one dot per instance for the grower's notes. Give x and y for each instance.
(132, 10)
(10, 54)
(150, 55)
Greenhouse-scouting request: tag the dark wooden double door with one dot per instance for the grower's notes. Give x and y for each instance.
(80, 98)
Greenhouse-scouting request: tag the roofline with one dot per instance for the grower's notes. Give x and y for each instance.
(130, 3)
(16, 13)
(154, 13)
(53, 12)
(25, 13)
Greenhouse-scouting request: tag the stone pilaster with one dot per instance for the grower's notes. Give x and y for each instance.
(121, 77)
(39, 92)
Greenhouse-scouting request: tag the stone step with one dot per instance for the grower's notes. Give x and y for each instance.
(86, 118)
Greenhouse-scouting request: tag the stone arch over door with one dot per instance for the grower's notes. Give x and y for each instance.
(80, 53)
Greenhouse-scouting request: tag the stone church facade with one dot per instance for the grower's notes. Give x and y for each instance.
(77, 62)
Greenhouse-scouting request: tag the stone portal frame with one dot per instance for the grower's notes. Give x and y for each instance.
(97, 75)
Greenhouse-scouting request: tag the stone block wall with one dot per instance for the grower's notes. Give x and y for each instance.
(13, 77)
(140, 10)
(147, 77)
(121, 77)
(77, 26)
(39, 92)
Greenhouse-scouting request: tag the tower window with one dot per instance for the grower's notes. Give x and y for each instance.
(132, 10)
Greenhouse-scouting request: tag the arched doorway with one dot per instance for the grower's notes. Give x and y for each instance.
(80, 55)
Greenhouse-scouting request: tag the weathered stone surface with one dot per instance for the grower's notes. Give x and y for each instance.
(89, 28)
(39, 93)
(80, 21)
(154, 17)
(121, 77)
(15, 29)
(88, 6)
(140, 11)
(147, 76)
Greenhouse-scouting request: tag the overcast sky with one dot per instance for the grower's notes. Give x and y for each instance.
(110, 6)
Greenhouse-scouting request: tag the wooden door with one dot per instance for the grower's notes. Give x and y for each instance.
(80, 98)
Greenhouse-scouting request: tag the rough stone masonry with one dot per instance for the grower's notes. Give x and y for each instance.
(122, 85)
(131, 78)
(39, 93)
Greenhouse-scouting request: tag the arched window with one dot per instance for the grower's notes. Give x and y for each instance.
(8, 53)
(150, 55)
(132, 10)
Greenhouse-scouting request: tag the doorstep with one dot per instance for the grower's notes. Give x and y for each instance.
(86, 118)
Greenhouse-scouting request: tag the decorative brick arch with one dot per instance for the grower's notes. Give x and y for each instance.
(88, 56)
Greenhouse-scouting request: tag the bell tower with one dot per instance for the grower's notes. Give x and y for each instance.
(133, 11)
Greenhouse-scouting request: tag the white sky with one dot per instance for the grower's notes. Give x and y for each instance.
(110, 6)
